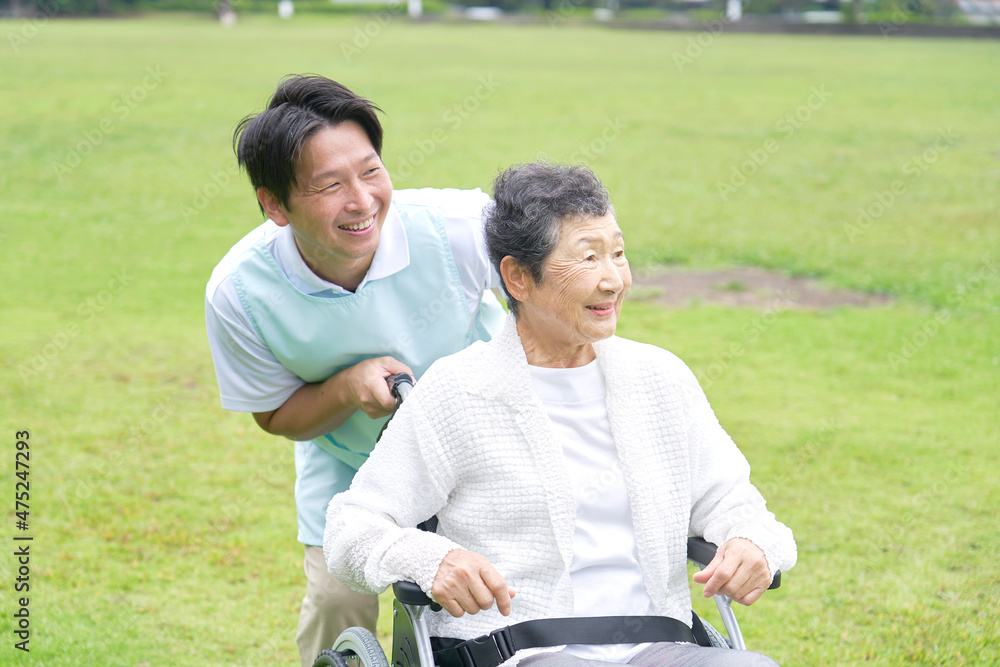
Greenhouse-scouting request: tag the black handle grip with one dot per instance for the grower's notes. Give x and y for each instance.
(701, 551)
(408, 592)
(400, 385)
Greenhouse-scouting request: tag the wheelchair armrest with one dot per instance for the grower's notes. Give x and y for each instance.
(409, 593)
(701, 552)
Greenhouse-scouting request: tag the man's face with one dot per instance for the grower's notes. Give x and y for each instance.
(339, 205)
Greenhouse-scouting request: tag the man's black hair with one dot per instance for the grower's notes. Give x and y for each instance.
(268, 144)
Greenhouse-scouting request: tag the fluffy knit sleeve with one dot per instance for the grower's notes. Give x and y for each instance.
(724, 503)
(370, 540)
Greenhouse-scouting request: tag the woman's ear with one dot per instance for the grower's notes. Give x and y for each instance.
(516, 278)
(274, 210)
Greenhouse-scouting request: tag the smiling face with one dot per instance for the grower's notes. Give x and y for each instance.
(580, 296)
(339, 204)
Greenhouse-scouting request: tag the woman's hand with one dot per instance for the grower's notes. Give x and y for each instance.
(739, 570)
(467, 583)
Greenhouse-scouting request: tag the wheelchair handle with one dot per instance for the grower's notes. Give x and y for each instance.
(400, 386)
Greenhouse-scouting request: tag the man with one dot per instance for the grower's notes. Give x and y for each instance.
(346, 283)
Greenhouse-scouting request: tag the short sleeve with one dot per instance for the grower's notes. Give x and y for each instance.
(250, 378)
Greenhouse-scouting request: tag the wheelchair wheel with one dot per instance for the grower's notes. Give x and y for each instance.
(359, 648)
(717, 639)
(330, 658)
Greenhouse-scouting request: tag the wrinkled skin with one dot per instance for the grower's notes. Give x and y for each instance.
(579, 298)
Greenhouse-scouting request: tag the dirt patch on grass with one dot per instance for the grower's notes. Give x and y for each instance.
(747, 287)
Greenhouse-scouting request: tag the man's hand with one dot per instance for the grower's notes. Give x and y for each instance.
(739, 570)
(467, 583)
(319, 408)
(367, 388)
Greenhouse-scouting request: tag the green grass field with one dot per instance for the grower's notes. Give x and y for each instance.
(164, 527)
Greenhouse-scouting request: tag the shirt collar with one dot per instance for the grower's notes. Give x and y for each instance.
(392, 256)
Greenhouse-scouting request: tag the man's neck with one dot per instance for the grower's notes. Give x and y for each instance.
(348, 275)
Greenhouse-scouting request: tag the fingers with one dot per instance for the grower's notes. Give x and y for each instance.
(739, 571)
(706, 574)
(490, 587)
(752, 596)
(467, 583)
(726, 577)
(391, 366)
(370, 392)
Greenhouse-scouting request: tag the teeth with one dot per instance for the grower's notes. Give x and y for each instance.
(361, 225)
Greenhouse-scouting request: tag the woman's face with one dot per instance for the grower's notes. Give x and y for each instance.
(583, 284)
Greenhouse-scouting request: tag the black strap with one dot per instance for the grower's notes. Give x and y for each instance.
(498, 646)
(699, 631)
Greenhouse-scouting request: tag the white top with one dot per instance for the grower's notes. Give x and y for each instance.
(605, 570)
(250, 378)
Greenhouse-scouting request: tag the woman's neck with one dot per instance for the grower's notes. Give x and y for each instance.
(548, 353)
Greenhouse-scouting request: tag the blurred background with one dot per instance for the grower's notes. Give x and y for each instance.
(813, 221)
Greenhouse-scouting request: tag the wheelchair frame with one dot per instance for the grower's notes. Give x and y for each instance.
(411, 643)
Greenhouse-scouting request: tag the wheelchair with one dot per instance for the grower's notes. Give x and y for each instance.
(411, 641)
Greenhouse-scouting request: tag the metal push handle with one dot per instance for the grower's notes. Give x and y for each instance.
(400, 386)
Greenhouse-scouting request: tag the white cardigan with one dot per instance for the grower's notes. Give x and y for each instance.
(474, 445)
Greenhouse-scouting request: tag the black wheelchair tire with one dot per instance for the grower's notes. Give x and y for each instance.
(359, 648)
(717, 639)
(330, 658)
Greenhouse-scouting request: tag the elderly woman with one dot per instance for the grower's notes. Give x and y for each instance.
(562, 462)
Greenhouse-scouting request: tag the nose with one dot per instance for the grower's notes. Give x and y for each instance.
(359, 198)
(615, 278)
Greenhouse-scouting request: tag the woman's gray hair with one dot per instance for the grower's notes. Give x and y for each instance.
(530, 203)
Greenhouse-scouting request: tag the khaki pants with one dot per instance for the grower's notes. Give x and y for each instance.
(329, 608)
